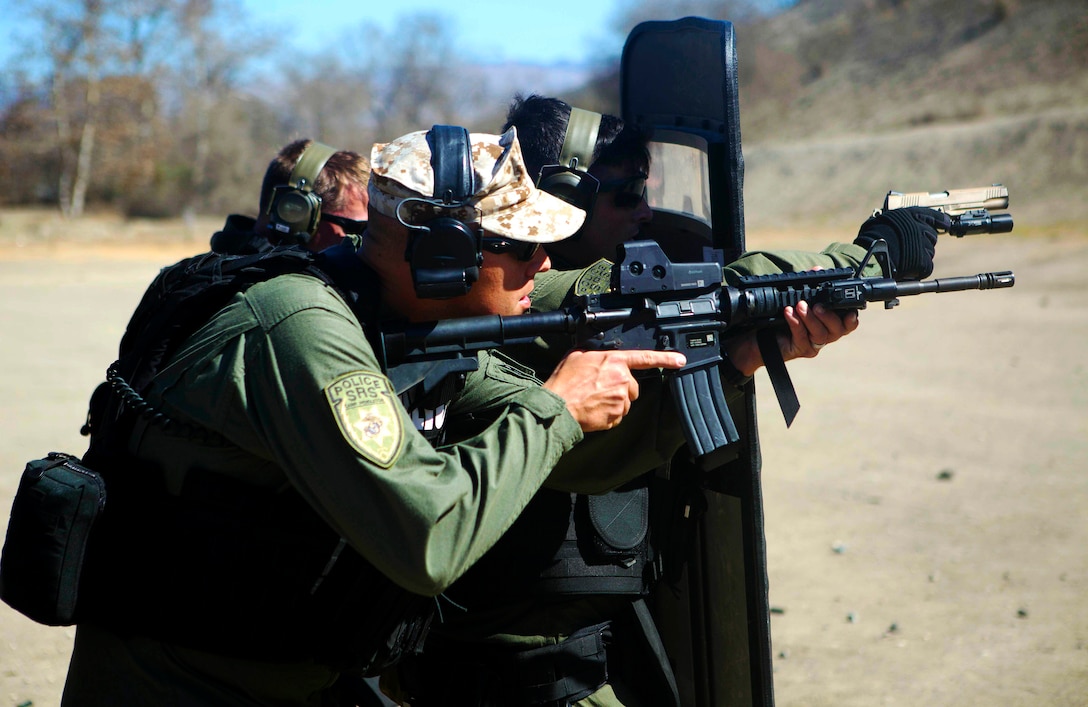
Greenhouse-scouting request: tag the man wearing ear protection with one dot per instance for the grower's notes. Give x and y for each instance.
(281, 511)
(554, 614)
(600, 164)
(592, 161)
(312, 194)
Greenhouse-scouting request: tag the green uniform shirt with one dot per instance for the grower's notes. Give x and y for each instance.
(285, 373)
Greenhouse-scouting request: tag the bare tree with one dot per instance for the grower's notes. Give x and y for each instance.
(105, 68)
(146, 29)
(27, 157)
(414, 74)
(327, 95)
(207, 71)
(375, 84)
(97, 57)
(76, 51)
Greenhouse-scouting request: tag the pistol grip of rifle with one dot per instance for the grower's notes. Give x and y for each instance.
(704, 412)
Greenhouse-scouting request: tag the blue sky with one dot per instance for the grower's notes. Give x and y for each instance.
(493, 31)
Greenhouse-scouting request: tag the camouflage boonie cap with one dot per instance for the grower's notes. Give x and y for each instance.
(506, 202)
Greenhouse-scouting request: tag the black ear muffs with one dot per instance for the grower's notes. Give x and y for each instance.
(295, 210)
(570, 179)
(445, 253)
(572, 187)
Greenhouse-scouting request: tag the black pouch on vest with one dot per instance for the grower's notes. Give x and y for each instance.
(620, 520)
(55, 507)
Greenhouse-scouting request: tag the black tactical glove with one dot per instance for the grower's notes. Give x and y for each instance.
(911, 234)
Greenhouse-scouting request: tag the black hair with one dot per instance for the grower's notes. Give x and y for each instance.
(542, 126)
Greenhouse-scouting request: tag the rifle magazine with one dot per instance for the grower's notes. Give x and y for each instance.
(704, 412)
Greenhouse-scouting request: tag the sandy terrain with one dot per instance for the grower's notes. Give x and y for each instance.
(925, 514)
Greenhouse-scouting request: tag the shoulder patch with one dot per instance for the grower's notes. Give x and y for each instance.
(366, 409)
(595, 279)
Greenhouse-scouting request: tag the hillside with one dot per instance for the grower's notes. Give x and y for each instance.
(841, 102)
(844, 101)
(873, 66)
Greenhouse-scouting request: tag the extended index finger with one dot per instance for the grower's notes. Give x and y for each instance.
(638, 360)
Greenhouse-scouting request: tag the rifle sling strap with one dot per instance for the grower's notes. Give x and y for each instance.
(665, 677)
(780, 377)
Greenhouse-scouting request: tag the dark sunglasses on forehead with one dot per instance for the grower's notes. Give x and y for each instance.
(520, 249)
(350, 226)
(627, 193)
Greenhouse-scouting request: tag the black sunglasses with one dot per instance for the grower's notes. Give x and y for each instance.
(627, 193)
(522, 251)
(350, 226)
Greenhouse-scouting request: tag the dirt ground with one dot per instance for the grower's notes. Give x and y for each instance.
(925, 513)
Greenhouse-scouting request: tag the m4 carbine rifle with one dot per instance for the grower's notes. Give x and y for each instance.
(654, 304)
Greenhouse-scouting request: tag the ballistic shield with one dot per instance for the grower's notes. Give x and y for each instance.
(679, 81)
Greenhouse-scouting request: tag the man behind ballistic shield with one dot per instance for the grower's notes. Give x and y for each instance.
(555, 613)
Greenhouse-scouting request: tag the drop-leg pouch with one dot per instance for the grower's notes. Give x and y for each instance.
(55, 507)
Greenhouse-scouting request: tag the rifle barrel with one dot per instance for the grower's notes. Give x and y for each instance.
(982, 281)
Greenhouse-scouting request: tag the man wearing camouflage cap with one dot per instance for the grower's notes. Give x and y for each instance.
(328, 516)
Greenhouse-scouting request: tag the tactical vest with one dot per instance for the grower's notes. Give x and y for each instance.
(226, 567)
(567, 544)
